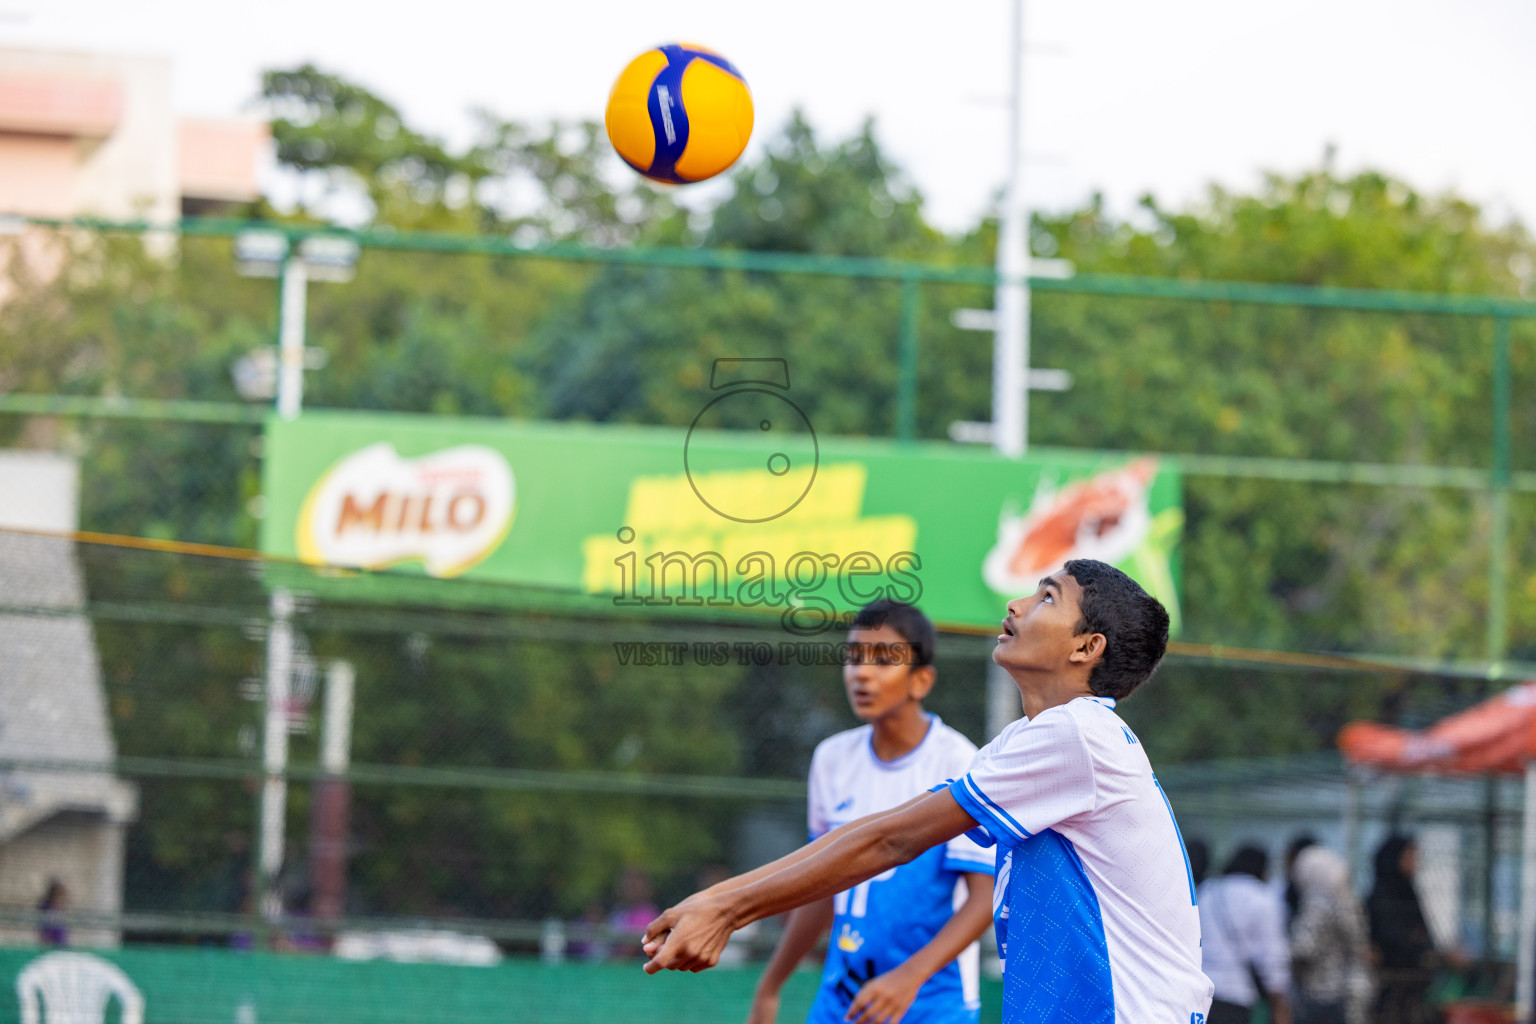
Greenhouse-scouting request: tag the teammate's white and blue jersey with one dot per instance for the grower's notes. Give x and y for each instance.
(882, 922)
(1094, 903)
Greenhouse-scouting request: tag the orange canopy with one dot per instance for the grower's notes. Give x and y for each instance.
(1496, 736)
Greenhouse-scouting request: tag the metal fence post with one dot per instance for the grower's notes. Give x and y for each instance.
(1498, 541)
(331, 797)
(906, 386)
(1525, 944)
(274, 788)
(1350, 824)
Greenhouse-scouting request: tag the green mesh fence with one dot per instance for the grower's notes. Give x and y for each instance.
(1351, 487)
(511, 782)
(212, 986)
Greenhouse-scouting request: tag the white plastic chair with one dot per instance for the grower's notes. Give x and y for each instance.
(75, 988)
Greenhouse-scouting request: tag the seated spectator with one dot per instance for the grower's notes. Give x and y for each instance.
(634, 910)
(50, 924)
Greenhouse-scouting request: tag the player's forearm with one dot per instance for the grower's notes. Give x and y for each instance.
(821, 842)
(815, 846)
(858, 852)
(964, 928)
(801, 930)
(690, 936)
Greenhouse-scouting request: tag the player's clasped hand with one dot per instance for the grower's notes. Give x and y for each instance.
(687, 937)
(883, 1000)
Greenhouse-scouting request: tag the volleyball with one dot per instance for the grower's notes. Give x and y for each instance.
(679, 113)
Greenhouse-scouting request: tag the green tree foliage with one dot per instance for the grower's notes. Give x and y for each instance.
(1321, 567)
(329, 126)
(542, 183)
(637, 344)
(848, 199)
(527, 704)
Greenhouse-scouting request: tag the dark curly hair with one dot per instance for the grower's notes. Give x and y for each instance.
(915, 627)
(1134, 624)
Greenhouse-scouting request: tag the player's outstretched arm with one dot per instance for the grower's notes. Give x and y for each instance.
(821, 842)
(888, 997)
(690, 936)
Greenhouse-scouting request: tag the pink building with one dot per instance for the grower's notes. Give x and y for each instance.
(95, 135)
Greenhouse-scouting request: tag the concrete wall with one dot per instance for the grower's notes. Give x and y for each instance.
(65, 824)
(84, 850)
(39, 491)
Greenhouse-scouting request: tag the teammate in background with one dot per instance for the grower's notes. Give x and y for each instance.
(1096, 916)
(896, 937)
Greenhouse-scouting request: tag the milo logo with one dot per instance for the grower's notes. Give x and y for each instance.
(447, 510)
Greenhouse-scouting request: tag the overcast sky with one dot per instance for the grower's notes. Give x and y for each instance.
(1122, 96)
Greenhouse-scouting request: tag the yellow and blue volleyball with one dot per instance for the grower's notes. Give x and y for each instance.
(680, 113)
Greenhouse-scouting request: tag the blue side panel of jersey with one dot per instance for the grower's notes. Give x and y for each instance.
(901, 915)
(1056, 959)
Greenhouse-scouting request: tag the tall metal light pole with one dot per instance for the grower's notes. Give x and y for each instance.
(274, 756)
(1010, 350)
(1010, 346)
(270, 254)
(292, 301)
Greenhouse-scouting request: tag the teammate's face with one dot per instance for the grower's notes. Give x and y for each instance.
(1040, 631)
(879, 676)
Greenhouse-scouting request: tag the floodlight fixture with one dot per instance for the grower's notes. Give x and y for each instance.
(260, 253)
(255, 373)
(329, 258)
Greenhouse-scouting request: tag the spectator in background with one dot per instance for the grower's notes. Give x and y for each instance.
(1405, 953)
(50, 924)
(1292, 894)
(1199, 859)
(634, 910)
(1330, 952)
(1242, 938)
(588, 946)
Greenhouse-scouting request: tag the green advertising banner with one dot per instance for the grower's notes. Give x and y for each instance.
(710, 521)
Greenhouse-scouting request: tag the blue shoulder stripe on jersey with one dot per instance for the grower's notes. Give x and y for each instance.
(981, 807)
(1007, 818)
(1188, 871)
(669, 121)
(981, 837)
(978, 835)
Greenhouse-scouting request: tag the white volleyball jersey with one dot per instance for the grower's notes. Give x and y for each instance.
(882, 922)
(1094, 903)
